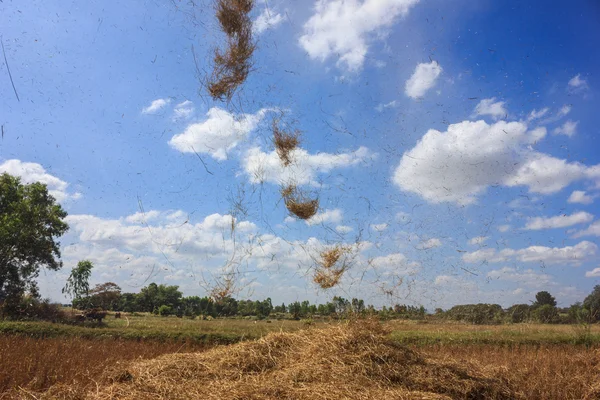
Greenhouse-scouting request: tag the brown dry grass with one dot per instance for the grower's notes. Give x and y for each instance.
(354, 361)
(37, 364)
(231, 67)
(285, 142)
(299, 203)
(540, 372)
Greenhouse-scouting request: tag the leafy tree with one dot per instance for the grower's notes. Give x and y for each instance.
(592, 304)
(518, 313)
(546, 314)
(106, 296)
(544, 298)
(78, 282)
(30, 222)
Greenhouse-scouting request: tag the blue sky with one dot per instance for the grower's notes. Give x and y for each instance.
(452, 144)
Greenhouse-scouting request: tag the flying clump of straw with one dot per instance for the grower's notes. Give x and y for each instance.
(331, 265)
(299, 203)
(231, 67)
(285, 142)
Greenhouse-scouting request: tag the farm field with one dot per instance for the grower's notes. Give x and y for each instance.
(543, 361)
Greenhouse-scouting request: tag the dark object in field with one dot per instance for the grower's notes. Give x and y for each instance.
(231, 67)
(298, 203)
(95, 314)
(285, 142)
(117, 315)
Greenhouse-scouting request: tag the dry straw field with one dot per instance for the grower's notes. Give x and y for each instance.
(360, 360)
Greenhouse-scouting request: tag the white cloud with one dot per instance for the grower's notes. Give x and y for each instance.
(535, 114)
(343, 28)
(379, 227)
(491, 107)
(529, 277)
(334, 216)
(577, 85)
(33, 172)
(569, 128)
(343, 229)
(218, 134)
(592, 230)
(392, 104)
(559, 221)
(396, 264)
(595, 273)
(560, 114)
(267, 19)
(458, 165)
(504, 228)
(572, 255)
(183, 110)
(423, 79)
(478, 241)
(429, 244)
(267, 167)
(579, 196)
(156, 106)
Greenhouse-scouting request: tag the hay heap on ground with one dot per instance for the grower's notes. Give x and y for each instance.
(330, 267)
(231, 67)
(355, 361)
(298, 203)
(285, 143)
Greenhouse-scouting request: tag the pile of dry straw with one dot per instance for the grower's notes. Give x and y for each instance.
(350, 361)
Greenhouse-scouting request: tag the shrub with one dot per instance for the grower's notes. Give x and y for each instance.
(32, 308)
(165, 310)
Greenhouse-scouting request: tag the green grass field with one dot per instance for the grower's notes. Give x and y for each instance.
(224, 331)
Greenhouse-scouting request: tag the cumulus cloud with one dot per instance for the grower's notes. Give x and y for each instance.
(267, 19)
(529, 277)
(343, 229)
(33, 172)
(571, 255)
(156, 106)
(344, 28)
(580, 196)
(504, 228)
(395, 264)
(595, 273)
(218, 133)
(429, 244)
(491, 107)
(569, 128)
(458, 165)
(592, 230)
(334, 216)
(559, 221)
(379, 227)
(267, 167)
(423, 79)
(478, 241)
(183, 110)
(577, 85)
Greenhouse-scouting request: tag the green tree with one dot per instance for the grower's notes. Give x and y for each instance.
(78, 283)
(106, 296)
(592, 304)
(544, 298)
(30, 222)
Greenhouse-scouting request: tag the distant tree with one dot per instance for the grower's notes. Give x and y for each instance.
(78, 284)
(592, 304)
(106, 296)
(546, 314)
(544, 298)
(30, 222)
(518, 313)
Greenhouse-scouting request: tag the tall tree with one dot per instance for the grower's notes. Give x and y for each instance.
(544, 298)
(31, 221)
(592, 304)
(78, 283)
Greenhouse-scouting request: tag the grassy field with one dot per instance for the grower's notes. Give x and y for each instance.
(546, 361)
